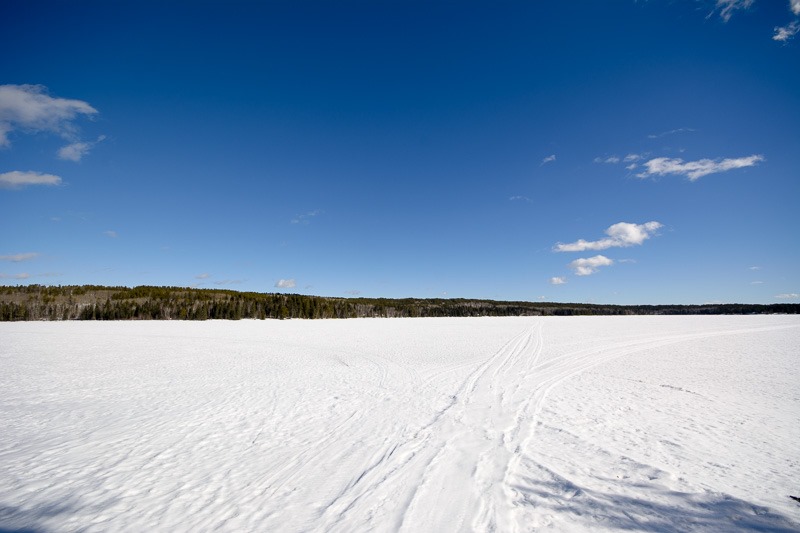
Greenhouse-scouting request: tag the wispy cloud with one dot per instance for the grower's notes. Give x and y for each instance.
(694, 170)
(76, 150)
(229, 282)
(111, 233)
(305, 218)
(519, 198)
(17, 179)
(23, 275)
(286, 283)
(31, 109)
(754, 268)
(589, 265)
(631, 160)
(727, 7)
(612, 159)
(756, 283)
(16, 258)
(548, 159)
(620, 235)
(558, 280)
(353, 292)
(204, 275)
(788, 296)
(670, 132)
(785, 33)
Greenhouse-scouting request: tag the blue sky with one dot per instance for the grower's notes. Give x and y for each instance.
(610, 152)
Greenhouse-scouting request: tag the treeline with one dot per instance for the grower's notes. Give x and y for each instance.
(35, 302)
(92, 302)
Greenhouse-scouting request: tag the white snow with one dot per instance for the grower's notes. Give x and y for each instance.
(491, 424)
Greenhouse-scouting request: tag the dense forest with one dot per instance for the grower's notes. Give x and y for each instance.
(91, 302)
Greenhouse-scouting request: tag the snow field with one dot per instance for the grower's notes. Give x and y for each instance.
(491, 424)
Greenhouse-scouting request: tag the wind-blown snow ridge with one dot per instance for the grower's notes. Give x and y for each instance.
(508, 424)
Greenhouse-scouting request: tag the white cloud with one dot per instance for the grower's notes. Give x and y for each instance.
(548, 159)
(611, 159)
(229, 282)
(23, 275)
(630, 159)
(620, 235)
(204, 275)
(111, 233)
(17, 179)
(589, 265)
(285, 283)
(661, 166)
(632, 166)
(353, 292)
(305, 218)
(756, 283)
(785, 33)
(794, 5)
(76, 150)
(727, 7)
(30, 109)
(558, 280)
(755, 268)
(670, 132)
(16, 258)
(522, 198)
(788, 296)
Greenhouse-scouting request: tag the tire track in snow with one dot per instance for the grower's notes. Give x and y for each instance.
(480, 422)
(396, 481)
(457, 471)
(550, 374)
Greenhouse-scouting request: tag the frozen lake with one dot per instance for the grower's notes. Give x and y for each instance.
(455, 424)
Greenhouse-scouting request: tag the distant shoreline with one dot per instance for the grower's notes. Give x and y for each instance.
(96, 302)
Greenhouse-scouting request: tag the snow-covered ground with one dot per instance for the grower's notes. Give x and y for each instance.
(490, 424)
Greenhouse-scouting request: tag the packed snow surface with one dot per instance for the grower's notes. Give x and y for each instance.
(472, 424)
